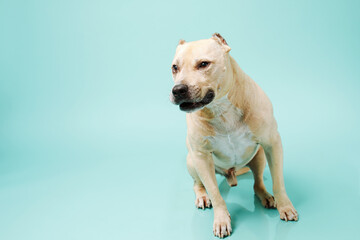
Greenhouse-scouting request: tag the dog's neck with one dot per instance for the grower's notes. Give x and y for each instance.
(218, 106)
(225, 84)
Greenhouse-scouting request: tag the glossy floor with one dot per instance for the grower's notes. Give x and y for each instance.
(91, 147)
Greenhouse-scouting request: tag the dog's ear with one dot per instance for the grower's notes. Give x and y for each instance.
(181, 42)
(219, 38)
(222, 41)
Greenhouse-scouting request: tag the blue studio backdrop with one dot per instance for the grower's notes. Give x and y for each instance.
(92, 148)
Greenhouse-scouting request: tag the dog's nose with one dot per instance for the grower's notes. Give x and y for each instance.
(180, 90)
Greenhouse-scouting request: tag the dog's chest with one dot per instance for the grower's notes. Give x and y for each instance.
(233, 144)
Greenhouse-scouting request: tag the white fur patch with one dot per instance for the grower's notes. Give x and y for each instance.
(233, 144)
(235, 149)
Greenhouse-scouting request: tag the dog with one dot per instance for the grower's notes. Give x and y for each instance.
(230, 127)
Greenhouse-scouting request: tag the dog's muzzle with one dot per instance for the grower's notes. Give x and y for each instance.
(181, 98)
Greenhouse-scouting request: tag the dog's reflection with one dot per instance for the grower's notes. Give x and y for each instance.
(252, 222)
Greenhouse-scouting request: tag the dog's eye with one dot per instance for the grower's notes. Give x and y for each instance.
(174, 68)
(204, 64)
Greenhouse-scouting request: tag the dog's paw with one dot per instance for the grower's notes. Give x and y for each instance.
(203, 202)
(222, 224)
(268, 201)
(288, 213)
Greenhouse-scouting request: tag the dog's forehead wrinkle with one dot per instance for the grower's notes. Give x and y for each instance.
(203, 59)
(206, 49)
(177, 62)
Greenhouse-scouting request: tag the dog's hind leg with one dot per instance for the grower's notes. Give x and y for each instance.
(257, 166)
(202, 200)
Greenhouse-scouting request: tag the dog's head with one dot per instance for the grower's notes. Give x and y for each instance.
(198, 71)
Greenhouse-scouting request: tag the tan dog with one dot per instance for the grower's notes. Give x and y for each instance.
(230, 125)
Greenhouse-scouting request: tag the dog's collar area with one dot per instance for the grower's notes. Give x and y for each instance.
(192, 106)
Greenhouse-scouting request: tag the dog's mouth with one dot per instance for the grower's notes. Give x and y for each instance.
(190, 106)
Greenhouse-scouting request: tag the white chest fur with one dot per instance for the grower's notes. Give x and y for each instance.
(234, 144)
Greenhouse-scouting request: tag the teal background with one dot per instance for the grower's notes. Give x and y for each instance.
(91, 147)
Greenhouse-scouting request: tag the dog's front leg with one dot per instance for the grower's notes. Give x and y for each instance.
(205, 168)
(274, 154)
